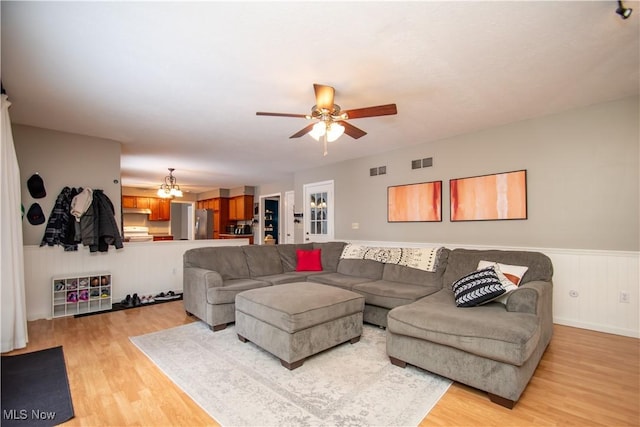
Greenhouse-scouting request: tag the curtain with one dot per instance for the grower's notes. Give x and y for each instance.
(12, 295)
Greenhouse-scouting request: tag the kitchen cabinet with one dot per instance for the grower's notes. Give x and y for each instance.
(241, 208)
(128, 201)
(160, 209)
(143, 202)
(136, 202)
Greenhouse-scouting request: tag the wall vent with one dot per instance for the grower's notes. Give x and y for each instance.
(422, 163)
(380, 170)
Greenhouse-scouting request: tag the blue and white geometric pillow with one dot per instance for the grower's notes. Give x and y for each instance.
(477, 288)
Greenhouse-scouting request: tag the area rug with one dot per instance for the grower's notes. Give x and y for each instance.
(35, 389)
(239, 384)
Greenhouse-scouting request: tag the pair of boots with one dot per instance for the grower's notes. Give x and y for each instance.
(131, 301)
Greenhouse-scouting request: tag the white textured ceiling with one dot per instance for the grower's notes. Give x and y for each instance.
(179, 83)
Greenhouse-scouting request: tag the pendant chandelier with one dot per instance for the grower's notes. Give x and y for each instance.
(169, 188)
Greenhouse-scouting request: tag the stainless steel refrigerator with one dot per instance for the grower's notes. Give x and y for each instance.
(204, 224)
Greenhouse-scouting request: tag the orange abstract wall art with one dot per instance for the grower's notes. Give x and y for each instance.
(489, 197)
(415, 202)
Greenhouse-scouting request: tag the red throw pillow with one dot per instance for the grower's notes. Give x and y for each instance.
(308, 260)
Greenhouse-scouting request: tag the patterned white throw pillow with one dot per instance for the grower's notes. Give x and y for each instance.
(510, 276)
(513, 272)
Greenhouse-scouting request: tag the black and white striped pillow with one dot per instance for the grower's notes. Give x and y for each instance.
(477, 288)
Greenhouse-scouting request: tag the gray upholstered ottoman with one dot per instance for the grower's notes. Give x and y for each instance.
(296, 320)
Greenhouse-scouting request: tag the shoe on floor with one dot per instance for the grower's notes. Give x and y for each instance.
(128, 301)
(162, 297)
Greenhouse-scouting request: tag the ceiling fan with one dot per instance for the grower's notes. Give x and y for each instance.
(332, 122)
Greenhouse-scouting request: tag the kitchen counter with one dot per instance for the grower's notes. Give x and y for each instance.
(237, 236)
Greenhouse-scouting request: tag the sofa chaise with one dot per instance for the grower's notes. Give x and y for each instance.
(494, 347)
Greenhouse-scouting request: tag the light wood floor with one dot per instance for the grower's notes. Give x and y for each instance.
(584, 378)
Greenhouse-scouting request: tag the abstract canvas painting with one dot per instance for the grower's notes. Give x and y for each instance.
(415, 202)
(489, 197)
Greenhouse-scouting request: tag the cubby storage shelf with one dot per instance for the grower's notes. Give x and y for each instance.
(81, 293)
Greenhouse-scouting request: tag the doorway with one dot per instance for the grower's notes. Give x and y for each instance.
(269, 220)
(182, 220)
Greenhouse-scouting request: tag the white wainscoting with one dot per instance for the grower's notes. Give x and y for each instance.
(596, 276)
(146, 268)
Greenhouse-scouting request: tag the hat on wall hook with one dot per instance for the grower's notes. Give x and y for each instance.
(35, 184)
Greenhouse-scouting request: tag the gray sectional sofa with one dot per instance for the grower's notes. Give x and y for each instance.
(494, 347)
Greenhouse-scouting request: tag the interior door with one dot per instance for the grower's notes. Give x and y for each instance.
(318, 212)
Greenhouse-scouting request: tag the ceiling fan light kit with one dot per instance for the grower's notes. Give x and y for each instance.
(332, 131)
(331, 119)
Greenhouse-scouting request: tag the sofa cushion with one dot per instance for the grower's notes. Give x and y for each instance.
(262, 260)
(386, 294)
(403, 274)
(464, 261)
(488, 330)
(227, 293)
(478, 287)
(309, 260)
(229, 261)
(290, 277)
(336, 279)
(365, 268)
(288, 256)
(331, 252)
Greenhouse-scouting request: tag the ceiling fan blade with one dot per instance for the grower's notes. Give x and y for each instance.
(324, 96)
(302, 132)
(352, 131)
(261, 113)
(379, 110)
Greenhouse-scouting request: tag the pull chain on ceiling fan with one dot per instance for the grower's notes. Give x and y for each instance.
(332, 122)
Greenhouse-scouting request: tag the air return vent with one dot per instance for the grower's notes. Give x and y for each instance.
(380, 170)
(422, 163)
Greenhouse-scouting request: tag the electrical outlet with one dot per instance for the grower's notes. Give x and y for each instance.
(355, 225)
(625, 297)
